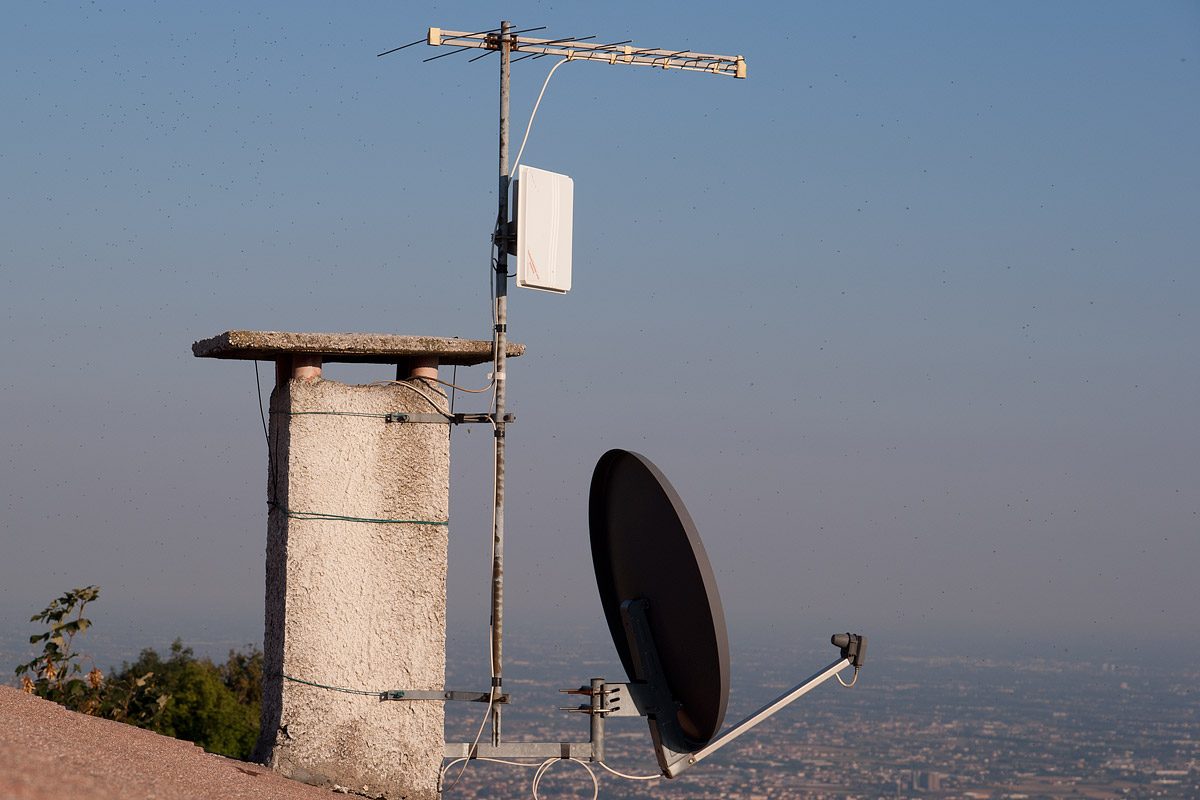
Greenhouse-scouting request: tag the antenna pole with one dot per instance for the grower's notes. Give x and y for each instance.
(501, 378)
(505, 41)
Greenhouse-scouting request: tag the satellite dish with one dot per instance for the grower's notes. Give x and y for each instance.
(645, 548)
(664, 613)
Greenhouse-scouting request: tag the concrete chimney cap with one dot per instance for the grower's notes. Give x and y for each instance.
(362, 348)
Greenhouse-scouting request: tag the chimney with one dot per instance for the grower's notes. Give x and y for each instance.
(357, 531)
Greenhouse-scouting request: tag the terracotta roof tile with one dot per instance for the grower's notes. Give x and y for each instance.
(48, 752)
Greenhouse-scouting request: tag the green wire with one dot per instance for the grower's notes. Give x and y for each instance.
(365, 692)
(390, 417)
(334, 414)
(342, 518)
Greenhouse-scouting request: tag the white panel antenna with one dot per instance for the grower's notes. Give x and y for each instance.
(544, 204)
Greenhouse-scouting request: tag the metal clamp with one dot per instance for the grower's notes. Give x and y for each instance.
(600, 704)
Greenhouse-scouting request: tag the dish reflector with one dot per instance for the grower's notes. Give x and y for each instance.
(645, 547)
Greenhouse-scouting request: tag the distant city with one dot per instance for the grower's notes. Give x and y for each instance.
(916, 725)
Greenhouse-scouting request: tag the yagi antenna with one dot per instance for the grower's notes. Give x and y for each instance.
(583, 50)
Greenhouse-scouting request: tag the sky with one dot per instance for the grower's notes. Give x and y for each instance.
(909, 317)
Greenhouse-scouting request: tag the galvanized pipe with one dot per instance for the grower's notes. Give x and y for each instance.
(596, 728)
(500, 376)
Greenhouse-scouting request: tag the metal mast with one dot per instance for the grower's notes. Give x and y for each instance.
(506, 40)
(500, 377)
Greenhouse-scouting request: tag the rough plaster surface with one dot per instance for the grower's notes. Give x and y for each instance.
(356, 605)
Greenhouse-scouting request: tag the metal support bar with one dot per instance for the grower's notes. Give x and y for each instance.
(439, 694)
(596, 728)
(449, 419)
(685, 760)
(500, 376)
(580, 750)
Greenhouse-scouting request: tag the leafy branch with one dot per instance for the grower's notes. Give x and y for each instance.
(55, 668)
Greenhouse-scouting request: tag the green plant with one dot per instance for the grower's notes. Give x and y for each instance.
(56, 673)
(215, 706)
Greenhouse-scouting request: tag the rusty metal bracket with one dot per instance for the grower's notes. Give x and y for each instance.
(440, 694)
(447, 419)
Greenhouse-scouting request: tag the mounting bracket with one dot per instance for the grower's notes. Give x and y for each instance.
(448, 419)
(591, 750)
(440, 694)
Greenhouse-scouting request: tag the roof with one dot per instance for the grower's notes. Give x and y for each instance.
(48, 752)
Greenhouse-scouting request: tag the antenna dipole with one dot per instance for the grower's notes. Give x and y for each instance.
(506, 41)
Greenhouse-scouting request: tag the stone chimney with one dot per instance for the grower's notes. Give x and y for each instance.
(358, 499)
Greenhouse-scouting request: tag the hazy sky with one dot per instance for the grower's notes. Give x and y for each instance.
(911, 317)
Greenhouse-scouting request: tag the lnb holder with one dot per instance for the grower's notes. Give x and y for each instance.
(853, 647)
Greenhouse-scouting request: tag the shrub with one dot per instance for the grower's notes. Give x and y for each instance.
(214, 706)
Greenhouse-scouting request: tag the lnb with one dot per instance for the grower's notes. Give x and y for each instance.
(853, 646)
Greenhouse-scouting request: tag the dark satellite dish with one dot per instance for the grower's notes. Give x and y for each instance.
(664, 613)
(652, 571)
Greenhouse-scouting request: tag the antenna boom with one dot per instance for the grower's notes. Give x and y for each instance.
(581, 50)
